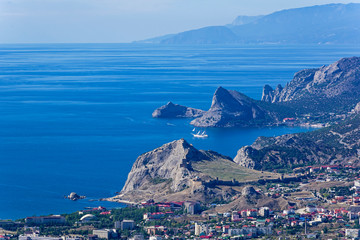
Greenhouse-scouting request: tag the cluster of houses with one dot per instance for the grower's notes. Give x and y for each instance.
(168, 209)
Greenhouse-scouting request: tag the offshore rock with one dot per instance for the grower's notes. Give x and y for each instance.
(171, 110)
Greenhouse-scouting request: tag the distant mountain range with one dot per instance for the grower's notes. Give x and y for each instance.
(323, 24)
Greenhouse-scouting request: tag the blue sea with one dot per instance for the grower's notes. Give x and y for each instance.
(74, 117)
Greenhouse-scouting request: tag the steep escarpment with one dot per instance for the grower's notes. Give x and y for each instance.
(327, 88)
(171, 162)
(230, 108)
(171, 110)
(333, 145)
(168, 171)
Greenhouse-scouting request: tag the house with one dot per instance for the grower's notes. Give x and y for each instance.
(235, 216)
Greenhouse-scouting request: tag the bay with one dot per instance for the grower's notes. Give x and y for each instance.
(74, 117)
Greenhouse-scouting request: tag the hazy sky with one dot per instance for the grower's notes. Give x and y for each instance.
(41, 21)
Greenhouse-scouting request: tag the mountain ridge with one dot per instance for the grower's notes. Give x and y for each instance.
(307, 25)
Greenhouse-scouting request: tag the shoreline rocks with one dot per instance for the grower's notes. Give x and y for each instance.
(74, 196)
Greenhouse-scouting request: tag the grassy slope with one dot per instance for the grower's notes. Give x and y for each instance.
(227, 170)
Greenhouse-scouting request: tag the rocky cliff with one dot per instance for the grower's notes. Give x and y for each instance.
(171, 110)
(340, 79)
(170, 161)
(333, 145)
(230, 108)
(168, 170)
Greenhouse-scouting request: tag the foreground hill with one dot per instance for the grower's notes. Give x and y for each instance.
(178, 171)
(324, 24)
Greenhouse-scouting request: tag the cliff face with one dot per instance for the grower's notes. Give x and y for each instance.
(173, 171)
(171, 110)
(230, 108)
(337, 144)
(171, 161)
(339, 79)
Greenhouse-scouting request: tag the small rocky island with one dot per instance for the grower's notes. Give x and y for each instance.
(74, 196)
(171, 110)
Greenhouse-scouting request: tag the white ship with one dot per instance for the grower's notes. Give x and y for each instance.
(200, 135)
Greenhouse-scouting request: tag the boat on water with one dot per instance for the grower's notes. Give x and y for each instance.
(200, 135)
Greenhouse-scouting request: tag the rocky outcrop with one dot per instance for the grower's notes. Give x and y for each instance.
(74, 196)
(340, 79)
(249, 191)
(230, 108)
(171, 110)
(357, 108)
(333, 145)
(171, 161)
(269, 93)
(171, 171)
(244, 157)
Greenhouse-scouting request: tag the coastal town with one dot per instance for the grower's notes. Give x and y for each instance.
(325, 204)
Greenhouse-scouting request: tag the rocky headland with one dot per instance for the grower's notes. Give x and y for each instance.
(230, 108)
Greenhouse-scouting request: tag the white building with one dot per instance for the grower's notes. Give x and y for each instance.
(201, 229)
(87, 218)
(37, 237)
(155, 238)
(235, 216)
(352, 233)
(104, 233)
(264, 212)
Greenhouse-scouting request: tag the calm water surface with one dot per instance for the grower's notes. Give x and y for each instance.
(75, 117)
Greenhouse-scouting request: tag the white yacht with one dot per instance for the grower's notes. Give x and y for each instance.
(200, 135)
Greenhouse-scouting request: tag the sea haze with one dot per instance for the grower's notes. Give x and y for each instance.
(75, 117)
